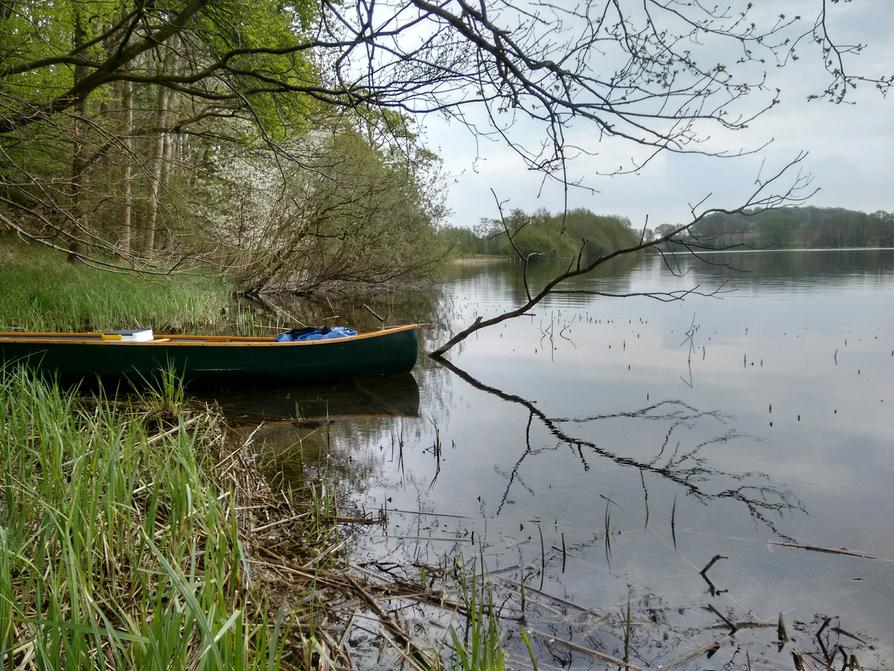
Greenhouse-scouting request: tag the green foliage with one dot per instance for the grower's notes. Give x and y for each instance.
(355, 214)
(269, 27)
(799, 227)
(66, 173)
(163, 396)
(664, 229)
(463, 241)
(37, 30)
(144, 170)
(544, 234)
(118, 548)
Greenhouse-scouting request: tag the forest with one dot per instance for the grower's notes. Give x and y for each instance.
(797, 227)
(564, 235)
(543, 234)
(159, 135)
(283, 142)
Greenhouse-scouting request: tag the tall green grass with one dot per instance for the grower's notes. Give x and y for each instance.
(481, 646)
(41, 291)
(118, 549)
(122, 543)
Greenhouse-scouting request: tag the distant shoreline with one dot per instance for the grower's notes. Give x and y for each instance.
(478, 259)
(785, 249)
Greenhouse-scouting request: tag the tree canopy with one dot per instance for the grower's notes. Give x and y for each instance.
(120, 120)
(542, 233)
(823, 227)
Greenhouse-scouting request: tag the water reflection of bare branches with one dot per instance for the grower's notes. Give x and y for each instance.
(646, 632)
(688, 468)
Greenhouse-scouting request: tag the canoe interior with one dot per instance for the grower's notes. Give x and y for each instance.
(218, 360)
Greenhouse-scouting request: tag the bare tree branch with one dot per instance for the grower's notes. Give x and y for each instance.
(761, 197)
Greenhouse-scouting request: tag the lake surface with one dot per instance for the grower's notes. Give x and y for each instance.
(602, 451)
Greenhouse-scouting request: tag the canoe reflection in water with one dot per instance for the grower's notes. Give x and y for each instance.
(392, 396)
(300, 433)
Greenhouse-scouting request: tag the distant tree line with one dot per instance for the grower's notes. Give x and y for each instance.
(543, 233)
(796, 227)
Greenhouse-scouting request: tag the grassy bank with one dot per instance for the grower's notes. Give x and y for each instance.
(138, 532)
(128, 539)
(42, 291)
(134, 535)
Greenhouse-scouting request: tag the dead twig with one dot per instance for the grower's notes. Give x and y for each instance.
(416, 653)
(589, 651)
(679, 661)
(835, 551)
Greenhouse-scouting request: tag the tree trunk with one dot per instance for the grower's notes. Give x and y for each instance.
(159, 149)
(78, 218)
(166, 163)
(157, 162)
(127, 176)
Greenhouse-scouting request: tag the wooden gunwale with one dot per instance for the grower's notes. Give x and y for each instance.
(176, 340)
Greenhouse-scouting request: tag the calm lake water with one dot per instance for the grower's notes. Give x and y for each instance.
(604, 450)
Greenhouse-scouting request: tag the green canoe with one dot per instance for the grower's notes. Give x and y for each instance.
(219, 360)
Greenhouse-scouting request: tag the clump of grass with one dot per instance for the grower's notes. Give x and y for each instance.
(163, 396)
(123, 548)
(482, 645)
(42, 292)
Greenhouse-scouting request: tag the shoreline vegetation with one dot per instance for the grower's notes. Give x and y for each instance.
(137, 530)
(798, 228)
(782, 229)
(140, 531)
(41, 292)
(124, 536)
(541, 233)
(136, 535)
(205, 152)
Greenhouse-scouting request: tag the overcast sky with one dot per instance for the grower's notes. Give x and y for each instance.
(851, 147)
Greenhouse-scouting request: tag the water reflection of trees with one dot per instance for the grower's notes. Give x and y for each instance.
(651, 631)
(689, 469)
(769, 268)
(311, 432)
(613, 277)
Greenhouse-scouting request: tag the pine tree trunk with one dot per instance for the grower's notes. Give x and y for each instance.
(159, 151)
(78, 221)
(157, 161)
(127, 176)
(166, 163)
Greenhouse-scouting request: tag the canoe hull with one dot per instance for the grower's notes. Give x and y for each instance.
(235, 362)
